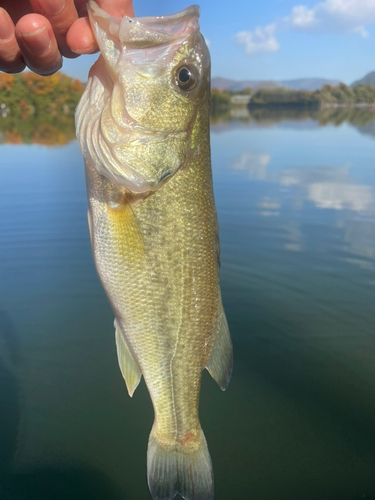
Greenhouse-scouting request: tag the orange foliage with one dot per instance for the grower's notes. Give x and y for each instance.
(49, 135)
(78, 86)
(41, 85)
(13, 137)
(6, 81)
(38, 109)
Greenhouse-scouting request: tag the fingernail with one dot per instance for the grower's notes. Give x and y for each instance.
(38, 42)
(89, 50)
(51, 7)
(6, 28)
(88, 46)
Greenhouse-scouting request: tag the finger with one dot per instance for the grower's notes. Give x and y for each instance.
(61, 14)
(38, 44)
(80, 37)
(81, 7)
(16, 9)
(117, 8)
(11, 60)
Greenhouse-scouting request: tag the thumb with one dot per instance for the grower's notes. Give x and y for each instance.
(80, 37)
(117, 8)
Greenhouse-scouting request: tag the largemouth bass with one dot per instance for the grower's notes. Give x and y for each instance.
(143, 129)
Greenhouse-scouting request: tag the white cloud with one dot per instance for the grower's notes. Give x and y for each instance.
(362, 31)
(330, 16)
(261, 40)
(302, 17)
(352, 13)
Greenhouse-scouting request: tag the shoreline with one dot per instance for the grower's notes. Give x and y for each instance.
(313, 106)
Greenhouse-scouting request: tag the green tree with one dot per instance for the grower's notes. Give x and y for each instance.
(219, 100)
(364, 93)
(37, 109)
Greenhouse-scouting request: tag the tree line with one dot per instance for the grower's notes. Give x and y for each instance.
(39, 110)
(340, 95)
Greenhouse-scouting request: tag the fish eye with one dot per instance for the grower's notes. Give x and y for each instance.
(186, 76)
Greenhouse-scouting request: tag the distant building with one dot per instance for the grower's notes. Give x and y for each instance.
(240, 99)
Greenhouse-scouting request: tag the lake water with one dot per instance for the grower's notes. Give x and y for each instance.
(295, 195)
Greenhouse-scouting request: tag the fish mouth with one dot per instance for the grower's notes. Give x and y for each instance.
(122, 142)
(146, 32)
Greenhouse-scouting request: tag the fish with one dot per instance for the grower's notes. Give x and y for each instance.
(143, 130)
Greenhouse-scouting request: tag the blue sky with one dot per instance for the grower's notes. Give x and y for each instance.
(276, 39)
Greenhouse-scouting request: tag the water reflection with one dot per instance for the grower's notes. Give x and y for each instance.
(72, 481)
(296, 211)
(254, 163)
(331, 188)
(269, 207)
(294, 236)
(359, 238)
(327, 187)
(59, 129)
(325, 116)
(339, 196)
(44, 129)
(9, 392)
(325, 209)
(362, 119)
(38, 110)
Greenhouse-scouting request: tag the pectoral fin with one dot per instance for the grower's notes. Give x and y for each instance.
(220, 363)
(128, 365)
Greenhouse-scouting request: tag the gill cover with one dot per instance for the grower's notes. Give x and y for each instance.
(135, 118)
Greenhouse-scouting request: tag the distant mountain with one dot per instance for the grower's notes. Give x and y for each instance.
(300, 84)
(309, 83)
(370, 78)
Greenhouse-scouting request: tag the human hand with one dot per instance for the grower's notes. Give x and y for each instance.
(37, 33)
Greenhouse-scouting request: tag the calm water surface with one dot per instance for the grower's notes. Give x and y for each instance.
(296, 206)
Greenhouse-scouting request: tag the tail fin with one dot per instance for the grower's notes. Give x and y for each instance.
(184, 469)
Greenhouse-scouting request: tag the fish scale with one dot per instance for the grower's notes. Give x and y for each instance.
(154, 231)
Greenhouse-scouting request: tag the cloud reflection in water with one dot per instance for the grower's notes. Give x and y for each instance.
(269, 207)
(330, 188)
(327, 187)
(254, 162)
(307, 189)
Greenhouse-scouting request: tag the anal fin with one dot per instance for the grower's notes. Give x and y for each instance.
(128, 365)
(220, 364)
